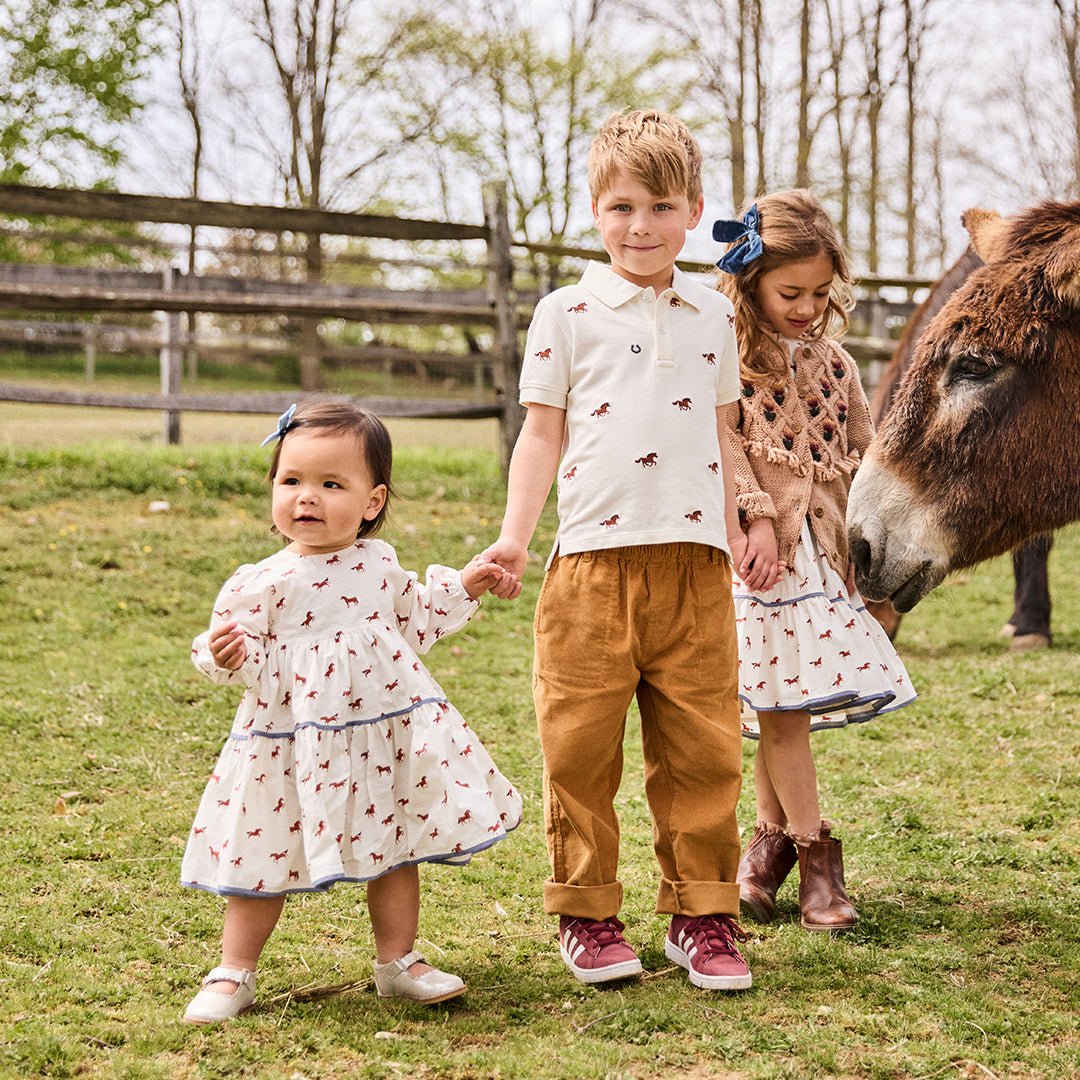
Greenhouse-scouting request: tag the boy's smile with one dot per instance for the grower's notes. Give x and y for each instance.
(643, 233)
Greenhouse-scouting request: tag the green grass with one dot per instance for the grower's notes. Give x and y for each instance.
(959, 817)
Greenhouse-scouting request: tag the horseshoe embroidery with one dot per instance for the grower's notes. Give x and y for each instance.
(635, 349)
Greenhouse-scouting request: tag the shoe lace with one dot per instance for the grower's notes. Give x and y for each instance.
(715, 934)
(597, 934)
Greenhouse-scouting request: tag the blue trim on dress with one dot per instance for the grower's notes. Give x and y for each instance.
(451, 858)
(243, 736)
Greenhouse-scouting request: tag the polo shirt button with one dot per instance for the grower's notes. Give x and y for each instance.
(818, 511)
(646, 298)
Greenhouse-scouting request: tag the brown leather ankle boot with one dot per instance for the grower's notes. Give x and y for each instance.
(823, 899)
(768, 859)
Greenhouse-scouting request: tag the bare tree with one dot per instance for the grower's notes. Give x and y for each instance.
(917, 27)
(189, 73)
(802, 150)
(844, 108)
(1068, 13)
(724, 39)
(882, 74)
(531, 102)
(338, 70)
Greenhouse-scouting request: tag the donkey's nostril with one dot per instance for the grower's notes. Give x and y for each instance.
(861, 556)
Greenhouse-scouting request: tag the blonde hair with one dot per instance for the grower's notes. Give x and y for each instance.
(794, 226)
(654, 147)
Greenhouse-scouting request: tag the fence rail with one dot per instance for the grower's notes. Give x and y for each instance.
(501, 311)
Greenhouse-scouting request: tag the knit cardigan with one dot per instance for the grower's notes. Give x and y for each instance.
(797, 446)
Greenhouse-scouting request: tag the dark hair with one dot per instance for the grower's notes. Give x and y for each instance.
(794, 226)
(340, 418)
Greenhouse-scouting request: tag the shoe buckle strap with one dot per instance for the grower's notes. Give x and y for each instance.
(240, 976)
(403, 963)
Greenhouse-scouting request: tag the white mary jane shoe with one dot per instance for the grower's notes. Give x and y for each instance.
(393, 980)
(210, 1007)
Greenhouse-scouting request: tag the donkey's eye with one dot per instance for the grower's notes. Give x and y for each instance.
(969, 369)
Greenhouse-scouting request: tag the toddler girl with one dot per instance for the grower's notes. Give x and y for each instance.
(345, 762)
(810, 655)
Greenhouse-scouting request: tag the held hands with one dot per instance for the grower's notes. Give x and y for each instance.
(759, 568)
(511, 559)
(482, 575)
(228, 646)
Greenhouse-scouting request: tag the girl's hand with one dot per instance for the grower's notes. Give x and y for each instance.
(760, 569)
(481, 575)
(228, 646)
(849, 581)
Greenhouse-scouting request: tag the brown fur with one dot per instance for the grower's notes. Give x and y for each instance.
(996, 451)
(885, 391)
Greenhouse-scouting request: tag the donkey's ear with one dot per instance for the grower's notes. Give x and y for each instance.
(988, 230)
(1063, 268)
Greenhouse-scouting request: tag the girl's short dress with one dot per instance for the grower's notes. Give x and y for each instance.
(806, 644)
(346, 760)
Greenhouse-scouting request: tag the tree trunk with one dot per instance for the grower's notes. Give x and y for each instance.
(910, 66)
(802, 155)
(310, 341)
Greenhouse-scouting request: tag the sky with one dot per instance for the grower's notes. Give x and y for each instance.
(980, 40)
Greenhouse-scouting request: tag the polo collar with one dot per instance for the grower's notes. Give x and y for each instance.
(613, 290)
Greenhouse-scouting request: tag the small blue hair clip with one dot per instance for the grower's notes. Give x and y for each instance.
(728, 232)
(283, 425)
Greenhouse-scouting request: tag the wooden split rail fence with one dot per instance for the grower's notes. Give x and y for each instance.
(498, 310)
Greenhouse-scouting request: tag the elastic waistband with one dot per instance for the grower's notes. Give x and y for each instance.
(680, 552)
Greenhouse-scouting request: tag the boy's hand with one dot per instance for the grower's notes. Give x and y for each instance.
(228, 646)
(760, 569)
(512, 558)
(481, 575)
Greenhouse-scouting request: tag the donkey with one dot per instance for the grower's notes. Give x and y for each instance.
(981, 448)
(1029, 624)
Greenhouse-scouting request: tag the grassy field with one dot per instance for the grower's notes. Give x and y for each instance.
(959, 817)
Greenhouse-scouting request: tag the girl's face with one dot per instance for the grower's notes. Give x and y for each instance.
(322, 491)
(793, 297)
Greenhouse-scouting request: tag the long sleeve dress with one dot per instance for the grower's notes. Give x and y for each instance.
(345, 760)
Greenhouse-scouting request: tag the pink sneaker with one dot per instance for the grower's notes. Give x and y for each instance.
(705, 946)
(595, 950)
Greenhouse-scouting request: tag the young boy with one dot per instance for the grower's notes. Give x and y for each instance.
(624, 377)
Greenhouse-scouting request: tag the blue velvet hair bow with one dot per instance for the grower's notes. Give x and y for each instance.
(283, 425)
(728, 232)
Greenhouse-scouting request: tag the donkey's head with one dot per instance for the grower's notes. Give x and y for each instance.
(981, 447)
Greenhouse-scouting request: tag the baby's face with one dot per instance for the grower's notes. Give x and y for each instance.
(322, 491)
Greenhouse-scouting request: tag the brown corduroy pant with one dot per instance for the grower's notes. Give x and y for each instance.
(657, 622)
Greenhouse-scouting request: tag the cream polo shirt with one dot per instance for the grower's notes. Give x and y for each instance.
(640, 377)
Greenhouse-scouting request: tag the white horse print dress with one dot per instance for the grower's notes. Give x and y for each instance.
(345, 759)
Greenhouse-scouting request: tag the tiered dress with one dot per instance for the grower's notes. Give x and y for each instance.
(345, 760)
(806, 644)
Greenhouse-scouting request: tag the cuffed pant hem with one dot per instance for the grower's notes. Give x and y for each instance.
(587, 901)
(698, 898)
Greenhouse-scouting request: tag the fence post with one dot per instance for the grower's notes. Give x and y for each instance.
(170, 358)
(500, 284)
(89, 354)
